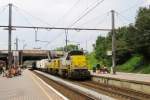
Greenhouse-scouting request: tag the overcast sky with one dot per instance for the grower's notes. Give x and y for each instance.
(63, 13)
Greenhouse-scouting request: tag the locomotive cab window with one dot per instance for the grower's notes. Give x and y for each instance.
(75, 53)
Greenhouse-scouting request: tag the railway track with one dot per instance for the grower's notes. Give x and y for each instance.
(113, 91)
(66, 91)
(119, 93)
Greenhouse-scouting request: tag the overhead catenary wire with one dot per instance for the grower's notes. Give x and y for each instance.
(50, 28)
(24, 17)
(120, 13)
(86, 13)
(62, 18)
(88, 7)
(145, 36)
(54, 28)
(120, 20)
(105, 19)
(126, 11)
(35, 29)
(32, 25)
(105, 15)
(68, 12)
(29, 22)
(54, 39)
(122, 16)
(3, 8)
(95, 19)
(38, 19)
(131, 7)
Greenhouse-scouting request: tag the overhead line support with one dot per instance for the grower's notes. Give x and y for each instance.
(113, 71)
(59, 28)
(9, 36)
(66, 34)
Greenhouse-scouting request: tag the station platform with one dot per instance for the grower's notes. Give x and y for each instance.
(27, 87)
(127, 76)
(138, 82)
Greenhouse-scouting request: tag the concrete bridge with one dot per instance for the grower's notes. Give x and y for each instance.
(24, 55)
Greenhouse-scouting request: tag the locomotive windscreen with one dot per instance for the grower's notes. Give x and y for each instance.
(76, 53)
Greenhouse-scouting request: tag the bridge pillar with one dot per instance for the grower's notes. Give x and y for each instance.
(20, 58)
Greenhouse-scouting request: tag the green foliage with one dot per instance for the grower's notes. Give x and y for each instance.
(100, 48)
(69, 48)
(60, 49)
(146, 69)
(131, 64)
(143, 32)
(136, 64)
(102, 45)
(132, 39)
(91, 60)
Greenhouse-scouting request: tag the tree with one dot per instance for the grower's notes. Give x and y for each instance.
(60, 49)
(142, 25)
(129, 39)
(69, 48)
(101, 48)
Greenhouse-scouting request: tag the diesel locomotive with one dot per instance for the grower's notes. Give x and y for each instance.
(72, 65)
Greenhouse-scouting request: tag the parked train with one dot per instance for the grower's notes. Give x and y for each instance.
(72, 65)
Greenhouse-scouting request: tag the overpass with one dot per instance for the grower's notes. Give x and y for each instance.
(3, 55)
(24, 55)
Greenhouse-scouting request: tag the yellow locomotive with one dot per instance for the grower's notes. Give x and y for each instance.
(53, 66)
(72, 65)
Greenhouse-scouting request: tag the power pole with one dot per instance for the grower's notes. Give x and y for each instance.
(9, 36)
(16, 44)
(24, 45)
(86, 45)
(36, 37)
(113, 71)
(16, 53)
(66, 34)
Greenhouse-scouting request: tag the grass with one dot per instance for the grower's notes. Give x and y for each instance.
(145, 69)
(131, 64)
(135, 64)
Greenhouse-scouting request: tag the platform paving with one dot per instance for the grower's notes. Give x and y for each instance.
(26, 87)
(127, 76)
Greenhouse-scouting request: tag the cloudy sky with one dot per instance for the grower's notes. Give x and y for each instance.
(63, 13)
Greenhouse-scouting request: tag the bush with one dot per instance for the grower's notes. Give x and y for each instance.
(131, 64)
